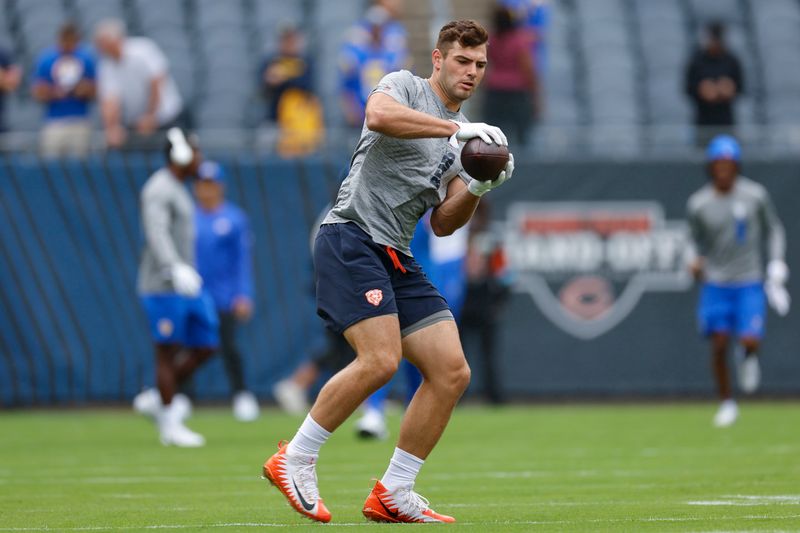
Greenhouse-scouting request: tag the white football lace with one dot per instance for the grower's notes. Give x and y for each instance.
(413, 500)
(306, 477)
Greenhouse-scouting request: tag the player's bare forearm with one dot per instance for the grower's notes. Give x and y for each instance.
(110, 112)
(456, 209)
(155, 95)
(386, 115)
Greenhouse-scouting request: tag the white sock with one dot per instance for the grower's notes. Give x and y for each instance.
(403, 469)
(309, 438)
(729, 402)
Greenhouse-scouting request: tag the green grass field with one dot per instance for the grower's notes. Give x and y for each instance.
(537, 468)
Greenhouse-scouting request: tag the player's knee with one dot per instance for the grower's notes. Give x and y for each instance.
(463, 377)
(750, 344)
(381, 369)
(202, 354)
(455, 379)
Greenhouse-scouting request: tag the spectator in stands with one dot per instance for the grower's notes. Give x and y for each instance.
(375, 46)
(289, 68)
(287, 84)
(713, 81)
(139, 99)
(512, 84)
(10, 76)
(65, 84)
(533, 16)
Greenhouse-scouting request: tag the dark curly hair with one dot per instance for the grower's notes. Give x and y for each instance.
(467, 33)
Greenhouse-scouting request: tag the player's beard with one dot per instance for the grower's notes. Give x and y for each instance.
(459, 92)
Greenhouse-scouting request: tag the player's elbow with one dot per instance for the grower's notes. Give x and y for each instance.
(441, 228)
(375, 118)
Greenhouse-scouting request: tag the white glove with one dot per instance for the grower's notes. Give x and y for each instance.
(470, 130)
(777, 272)
(186, 280)
(778, 297)
(479, 188)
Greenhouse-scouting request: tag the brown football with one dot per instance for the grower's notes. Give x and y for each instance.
(483, 161)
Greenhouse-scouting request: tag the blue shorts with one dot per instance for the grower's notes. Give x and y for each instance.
(176, 319)
(358, 279)
(734, 309)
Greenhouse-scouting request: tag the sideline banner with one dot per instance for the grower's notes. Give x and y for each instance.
(602, 302)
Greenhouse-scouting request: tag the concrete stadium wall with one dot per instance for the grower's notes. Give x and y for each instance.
(73, 330)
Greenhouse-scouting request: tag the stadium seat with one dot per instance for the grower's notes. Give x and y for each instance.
(269, 16)
(706, 11)
(90, 12)
(23, 114)
(212, 15)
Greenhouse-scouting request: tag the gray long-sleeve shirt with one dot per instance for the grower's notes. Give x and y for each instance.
(168, 223)
(730, 230)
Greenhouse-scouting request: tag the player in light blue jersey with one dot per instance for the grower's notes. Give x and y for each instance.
(731, 220)
(224, 262)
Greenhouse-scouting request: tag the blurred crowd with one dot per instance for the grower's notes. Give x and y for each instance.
(128, 78)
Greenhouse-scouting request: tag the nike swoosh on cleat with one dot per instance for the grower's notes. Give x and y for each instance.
(307, 506)
(392, 514)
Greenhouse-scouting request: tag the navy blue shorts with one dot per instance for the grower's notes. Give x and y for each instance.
(357, 279)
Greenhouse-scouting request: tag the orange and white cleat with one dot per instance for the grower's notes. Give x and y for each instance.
(401, 505)
(296, 478)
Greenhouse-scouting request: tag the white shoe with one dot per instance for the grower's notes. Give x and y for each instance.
(291, 397)
(296, 477)
(727, 414)
(182, 405)
(372, 425)
(245, 406)
(400, 505)
(749, 373)
(172, 432)
(147, 402)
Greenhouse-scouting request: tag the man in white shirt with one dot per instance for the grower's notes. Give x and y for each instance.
(138, 97)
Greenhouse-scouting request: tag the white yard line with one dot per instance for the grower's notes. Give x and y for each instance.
(666, 519)
(744, 500)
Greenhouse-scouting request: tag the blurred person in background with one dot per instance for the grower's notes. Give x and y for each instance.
(10, 78)
(713, 82)
(487, 292)
(65, 84)
(375, 46)
(292, 393)
(224, 263)
(512, 86)
(533, 16)
(287, 84)
(183, 320)
(139, 100)
(732, 219)
(442, 260)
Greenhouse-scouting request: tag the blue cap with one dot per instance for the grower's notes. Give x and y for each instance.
(723, 147)
(211, 171)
